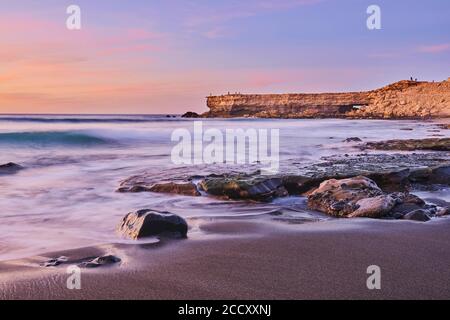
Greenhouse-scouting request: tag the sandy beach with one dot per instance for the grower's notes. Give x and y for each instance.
(254, 260)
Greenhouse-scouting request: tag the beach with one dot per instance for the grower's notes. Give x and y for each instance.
(254, 261)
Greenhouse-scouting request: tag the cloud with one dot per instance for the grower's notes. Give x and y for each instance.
(437, 48)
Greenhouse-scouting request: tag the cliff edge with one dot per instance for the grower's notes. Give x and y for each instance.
(403, 99)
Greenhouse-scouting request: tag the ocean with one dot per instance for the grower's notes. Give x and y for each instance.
(66, 195)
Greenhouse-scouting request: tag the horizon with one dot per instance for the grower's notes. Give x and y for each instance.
(165, 58)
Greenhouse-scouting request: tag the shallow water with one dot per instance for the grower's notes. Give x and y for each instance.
(65, 198)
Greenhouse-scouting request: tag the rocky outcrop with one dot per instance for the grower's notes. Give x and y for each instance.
(433, 144)
(147, 223)
(403, 99)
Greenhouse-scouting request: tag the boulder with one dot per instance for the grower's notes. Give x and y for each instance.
(361, 197)
(352, 197)
(148, 223)
(10, 168)
(417, 215)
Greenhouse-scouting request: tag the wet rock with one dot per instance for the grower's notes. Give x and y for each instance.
(417, 215)
(434, 144)
(186, 189)
(361, 197)
(147, 223)
(55, 262)
(352, 139)
(258, 188)
(181, 188)
(190, 114)
(353, 197)
(100, 261)
(10, 168)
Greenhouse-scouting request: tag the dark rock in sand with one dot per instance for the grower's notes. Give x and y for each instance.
(10, 168)
(147, 223)
(433, 144)
(417, 215)
(55, 262)
(244, 187)
(190, 114)
(100, 261)
(352, 139)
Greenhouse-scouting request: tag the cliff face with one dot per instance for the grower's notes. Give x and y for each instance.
(403, 99)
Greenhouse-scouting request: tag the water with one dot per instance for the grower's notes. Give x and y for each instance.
(66, 196)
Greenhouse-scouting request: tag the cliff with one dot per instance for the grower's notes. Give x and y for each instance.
(403, 99)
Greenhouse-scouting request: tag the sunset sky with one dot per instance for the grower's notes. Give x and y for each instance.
(144, 56)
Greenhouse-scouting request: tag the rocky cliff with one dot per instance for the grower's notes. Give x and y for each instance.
(403, 99)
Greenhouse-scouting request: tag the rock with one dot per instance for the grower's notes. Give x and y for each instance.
(352, 139)
(10, 168)
(55, 262)
(433, 144)
(375, 207)
(100, 261)
(358, 196)
(147, 223)
(244, 188)
(417, 215)
(182, 188)
(190, 114)
(186, 189)
(361, 197)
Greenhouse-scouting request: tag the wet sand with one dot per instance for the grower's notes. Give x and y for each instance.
(255, 260)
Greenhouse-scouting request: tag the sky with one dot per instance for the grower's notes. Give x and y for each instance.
(158, 57)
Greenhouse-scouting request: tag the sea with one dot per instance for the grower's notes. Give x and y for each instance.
(65, 197)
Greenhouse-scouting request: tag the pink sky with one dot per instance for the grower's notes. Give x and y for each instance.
(167, 60)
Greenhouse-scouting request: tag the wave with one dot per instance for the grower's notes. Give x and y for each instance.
(52, 138)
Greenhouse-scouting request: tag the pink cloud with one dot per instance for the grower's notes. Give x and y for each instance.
(438, 48)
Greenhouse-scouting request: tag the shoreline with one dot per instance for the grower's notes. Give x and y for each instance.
(325, 260)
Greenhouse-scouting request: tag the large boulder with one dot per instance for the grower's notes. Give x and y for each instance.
(361, 197)
(258, 188)
(10, 168)
(352, 197)
(147, 223)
